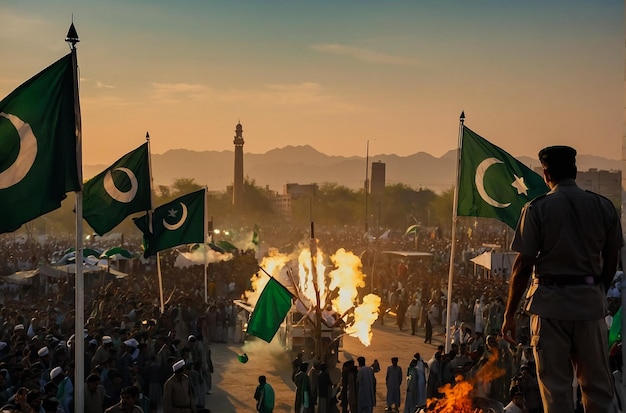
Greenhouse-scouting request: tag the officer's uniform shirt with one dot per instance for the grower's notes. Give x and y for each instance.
(568, 245)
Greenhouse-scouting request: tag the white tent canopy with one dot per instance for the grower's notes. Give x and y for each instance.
(20, 277)
(496, 262)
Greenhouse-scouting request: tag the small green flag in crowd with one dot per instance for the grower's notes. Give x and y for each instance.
(255, 236)
(492, 183)
(38, 141)
(178, 222)
(120, 190)
(270, 310)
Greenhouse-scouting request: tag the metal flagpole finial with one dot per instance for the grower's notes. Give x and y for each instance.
(147, 136)
(462, 117)
(72, 36)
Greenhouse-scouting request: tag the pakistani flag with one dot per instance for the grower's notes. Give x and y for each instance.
(492, 183)
(176, 223)
(271, 309)
(38, 163)
(120, 190)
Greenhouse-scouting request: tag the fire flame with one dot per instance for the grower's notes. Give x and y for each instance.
(364, 316)
(458, 398)
(338, 288)
(305, 272)
(347, 277)
(273, 263)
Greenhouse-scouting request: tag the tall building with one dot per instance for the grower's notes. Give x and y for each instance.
(605, 183)
(378, 178)
(238, 180)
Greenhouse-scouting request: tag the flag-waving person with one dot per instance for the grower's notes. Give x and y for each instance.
(178, 222)
(492, 183)
(38, 145)
(120, 190)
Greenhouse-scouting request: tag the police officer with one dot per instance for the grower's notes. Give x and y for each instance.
(571, 238)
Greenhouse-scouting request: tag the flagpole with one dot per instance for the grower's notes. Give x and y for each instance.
(79, 281)
(453, 241)
(158, 261)
(206, 247)
(160, 283)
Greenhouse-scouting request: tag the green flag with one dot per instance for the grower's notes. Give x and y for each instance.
(120, 190)
(270, 311)
(615, 331)
(226, 246)
(119, 251)
(255, 235)
(176, 223)
(492, 183)
(38, 138)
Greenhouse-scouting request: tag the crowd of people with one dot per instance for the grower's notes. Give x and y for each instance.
(146, 355)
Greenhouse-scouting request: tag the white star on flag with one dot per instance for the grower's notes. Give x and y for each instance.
(520, 185)
(172, 213)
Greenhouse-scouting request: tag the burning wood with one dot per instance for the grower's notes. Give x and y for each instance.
(465, 396)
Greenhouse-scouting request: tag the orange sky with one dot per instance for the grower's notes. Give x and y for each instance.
(331, 75)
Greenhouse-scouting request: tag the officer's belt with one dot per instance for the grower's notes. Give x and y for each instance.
(565, 280)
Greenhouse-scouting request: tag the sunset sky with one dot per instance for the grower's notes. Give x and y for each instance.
(331, 74)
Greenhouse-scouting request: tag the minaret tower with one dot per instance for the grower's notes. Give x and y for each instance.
(238, 182)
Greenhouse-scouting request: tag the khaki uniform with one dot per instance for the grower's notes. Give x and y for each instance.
(177, 396)
(567, 231)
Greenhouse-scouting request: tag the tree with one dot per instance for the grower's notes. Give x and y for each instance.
(402, 206)
(442, 207)
(182, 186)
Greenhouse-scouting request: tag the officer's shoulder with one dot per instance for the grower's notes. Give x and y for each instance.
(599, 196)
(536, 200)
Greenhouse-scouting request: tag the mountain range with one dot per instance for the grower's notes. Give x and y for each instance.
(305, 165)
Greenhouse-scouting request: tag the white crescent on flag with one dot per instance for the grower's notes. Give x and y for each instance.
(181, 221)
(26, 155)
(114, 192)
(480, 184)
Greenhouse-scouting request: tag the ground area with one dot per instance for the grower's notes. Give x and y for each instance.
(234, 382)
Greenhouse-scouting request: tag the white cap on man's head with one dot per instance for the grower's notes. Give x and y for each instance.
(107, 340)
(18, 327)
(55, 372)
(178, 365)
(42, 352)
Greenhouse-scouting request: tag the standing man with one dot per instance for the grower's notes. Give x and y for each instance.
(128, 402)
(177, 394)
(324, 390)
(414, 312)
(393, 379)
(366, 387)
(95, 395)
(264, 396)
(517, 404)
(302, 403)
(571, 238)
